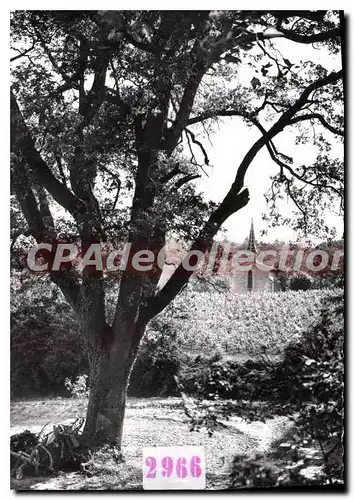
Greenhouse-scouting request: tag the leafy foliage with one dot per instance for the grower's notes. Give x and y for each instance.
(46, 454)
(158, 362)
(242, 323)
(198, 338)
(46, 347)
(307, 387)
(78, 388)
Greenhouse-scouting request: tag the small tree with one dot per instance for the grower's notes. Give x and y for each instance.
(100, 102)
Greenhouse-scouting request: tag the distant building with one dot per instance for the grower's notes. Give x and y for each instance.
(257, 277)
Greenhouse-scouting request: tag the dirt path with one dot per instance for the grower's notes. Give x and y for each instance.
(149, 422)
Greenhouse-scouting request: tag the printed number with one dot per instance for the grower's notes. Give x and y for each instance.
(167, 464)
(181, 468)
(151, 462)
(195, 468)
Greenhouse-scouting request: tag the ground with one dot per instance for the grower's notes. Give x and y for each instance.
(149, 422)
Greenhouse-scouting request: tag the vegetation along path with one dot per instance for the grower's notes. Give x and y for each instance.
(149, 422)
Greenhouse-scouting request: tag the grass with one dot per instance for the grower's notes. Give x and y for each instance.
(149, 422)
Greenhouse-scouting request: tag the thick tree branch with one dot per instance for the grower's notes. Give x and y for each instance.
(44, 208)
(21, 185)
(234, 200)
(90, 104)
(167, 177)
(37, 220)
(202, 243)
(310, 182)
(282, 122)
(22, 54)
(317, 37)
(52, 59)
(182, 118)
(185, 179)
(198, 143)
(185, 107)
(22, 141)
(60, 168)
(140, 45)
(76, 81)
(317, 116)
(214, 114)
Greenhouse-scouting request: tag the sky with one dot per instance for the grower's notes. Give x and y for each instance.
(230, 143)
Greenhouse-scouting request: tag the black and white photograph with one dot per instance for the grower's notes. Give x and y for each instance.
(177, 250)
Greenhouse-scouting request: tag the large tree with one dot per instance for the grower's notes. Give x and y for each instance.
(102, 104)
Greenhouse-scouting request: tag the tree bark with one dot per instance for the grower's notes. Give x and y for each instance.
(109, 378)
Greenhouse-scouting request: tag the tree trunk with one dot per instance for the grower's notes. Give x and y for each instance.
(109, 377)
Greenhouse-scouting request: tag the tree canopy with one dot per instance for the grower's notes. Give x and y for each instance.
(104, 105)
(94, 87)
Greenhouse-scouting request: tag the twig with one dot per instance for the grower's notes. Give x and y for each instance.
(21, 54)
(50, 457)
(22, 455)
(44, 426)
(198, 143)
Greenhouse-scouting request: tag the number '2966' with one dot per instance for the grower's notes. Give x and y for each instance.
(181, 465)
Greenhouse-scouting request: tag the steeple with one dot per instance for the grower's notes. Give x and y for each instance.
(251, 240)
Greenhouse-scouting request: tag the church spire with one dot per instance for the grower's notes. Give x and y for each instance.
(251, 240)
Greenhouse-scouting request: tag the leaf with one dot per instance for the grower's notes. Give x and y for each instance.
(74, 440)
(255, 82)
(19, 473)
(232, 59)
(146, 30)
(51, 438)
(309, 362)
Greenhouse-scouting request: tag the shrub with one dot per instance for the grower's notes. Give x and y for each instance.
(307, 386)
(158, 362)
(260, 471)
(78, 388)
(45, 347)
(300, 283)
(45, 454)
(213, 377)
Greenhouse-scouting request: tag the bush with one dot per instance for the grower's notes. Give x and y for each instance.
(321, 378)
(46, 347)
(45, 350)
(213, 377)
(158, 362)
(307, 387)
(300, 283)
(46, 454)
(189, 339)
(78, 388)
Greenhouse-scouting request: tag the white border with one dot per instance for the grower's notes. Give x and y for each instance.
(4, 185)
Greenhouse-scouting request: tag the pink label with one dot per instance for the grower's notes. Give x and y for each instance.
(177, 467)
(183, 466)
